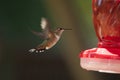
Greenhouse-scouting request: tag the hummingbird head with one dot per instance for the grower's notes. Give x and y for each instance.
(60, 30)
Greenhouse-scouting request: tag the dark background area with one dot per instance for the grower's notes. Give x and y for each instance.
(60, 62)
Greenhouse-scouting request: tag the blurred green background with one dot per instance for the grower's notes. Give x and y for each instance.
(60, 62)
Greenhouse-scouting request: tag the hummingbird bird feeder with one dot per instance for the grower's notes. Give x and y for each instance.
(106, 56)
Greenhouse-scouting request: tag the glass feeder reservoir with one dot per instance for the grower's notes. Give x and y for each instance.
(106, 57)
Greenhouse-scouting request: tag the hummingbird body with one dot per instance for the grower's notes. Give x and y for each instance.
(50, 37)
(48, 43)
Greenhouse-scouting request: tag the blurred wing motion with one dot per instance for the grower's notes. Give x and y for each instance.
(45, 29)
(44, 24)
(45, 34)
(41, 35)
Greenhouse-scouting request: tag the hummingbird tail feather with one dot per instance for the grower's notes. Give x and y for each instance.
(41, 50)
(32, 50)
(36, 50)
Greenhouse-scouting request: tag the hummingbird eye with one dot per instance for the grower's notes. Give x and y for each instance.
(60, 28)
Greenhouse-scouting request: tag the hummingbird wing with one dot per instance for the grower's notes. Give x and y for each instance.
(41, 35)
(45, 34)
(45, 27)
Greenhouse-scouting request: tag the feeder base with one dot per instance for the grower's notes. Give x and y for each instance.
(101, 65)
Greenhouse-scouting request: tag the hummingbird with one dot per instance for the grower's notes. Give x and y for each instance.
(50, 37)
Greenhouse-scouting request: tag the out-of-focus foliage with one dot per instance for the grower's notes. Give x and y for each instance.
(59, 63)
